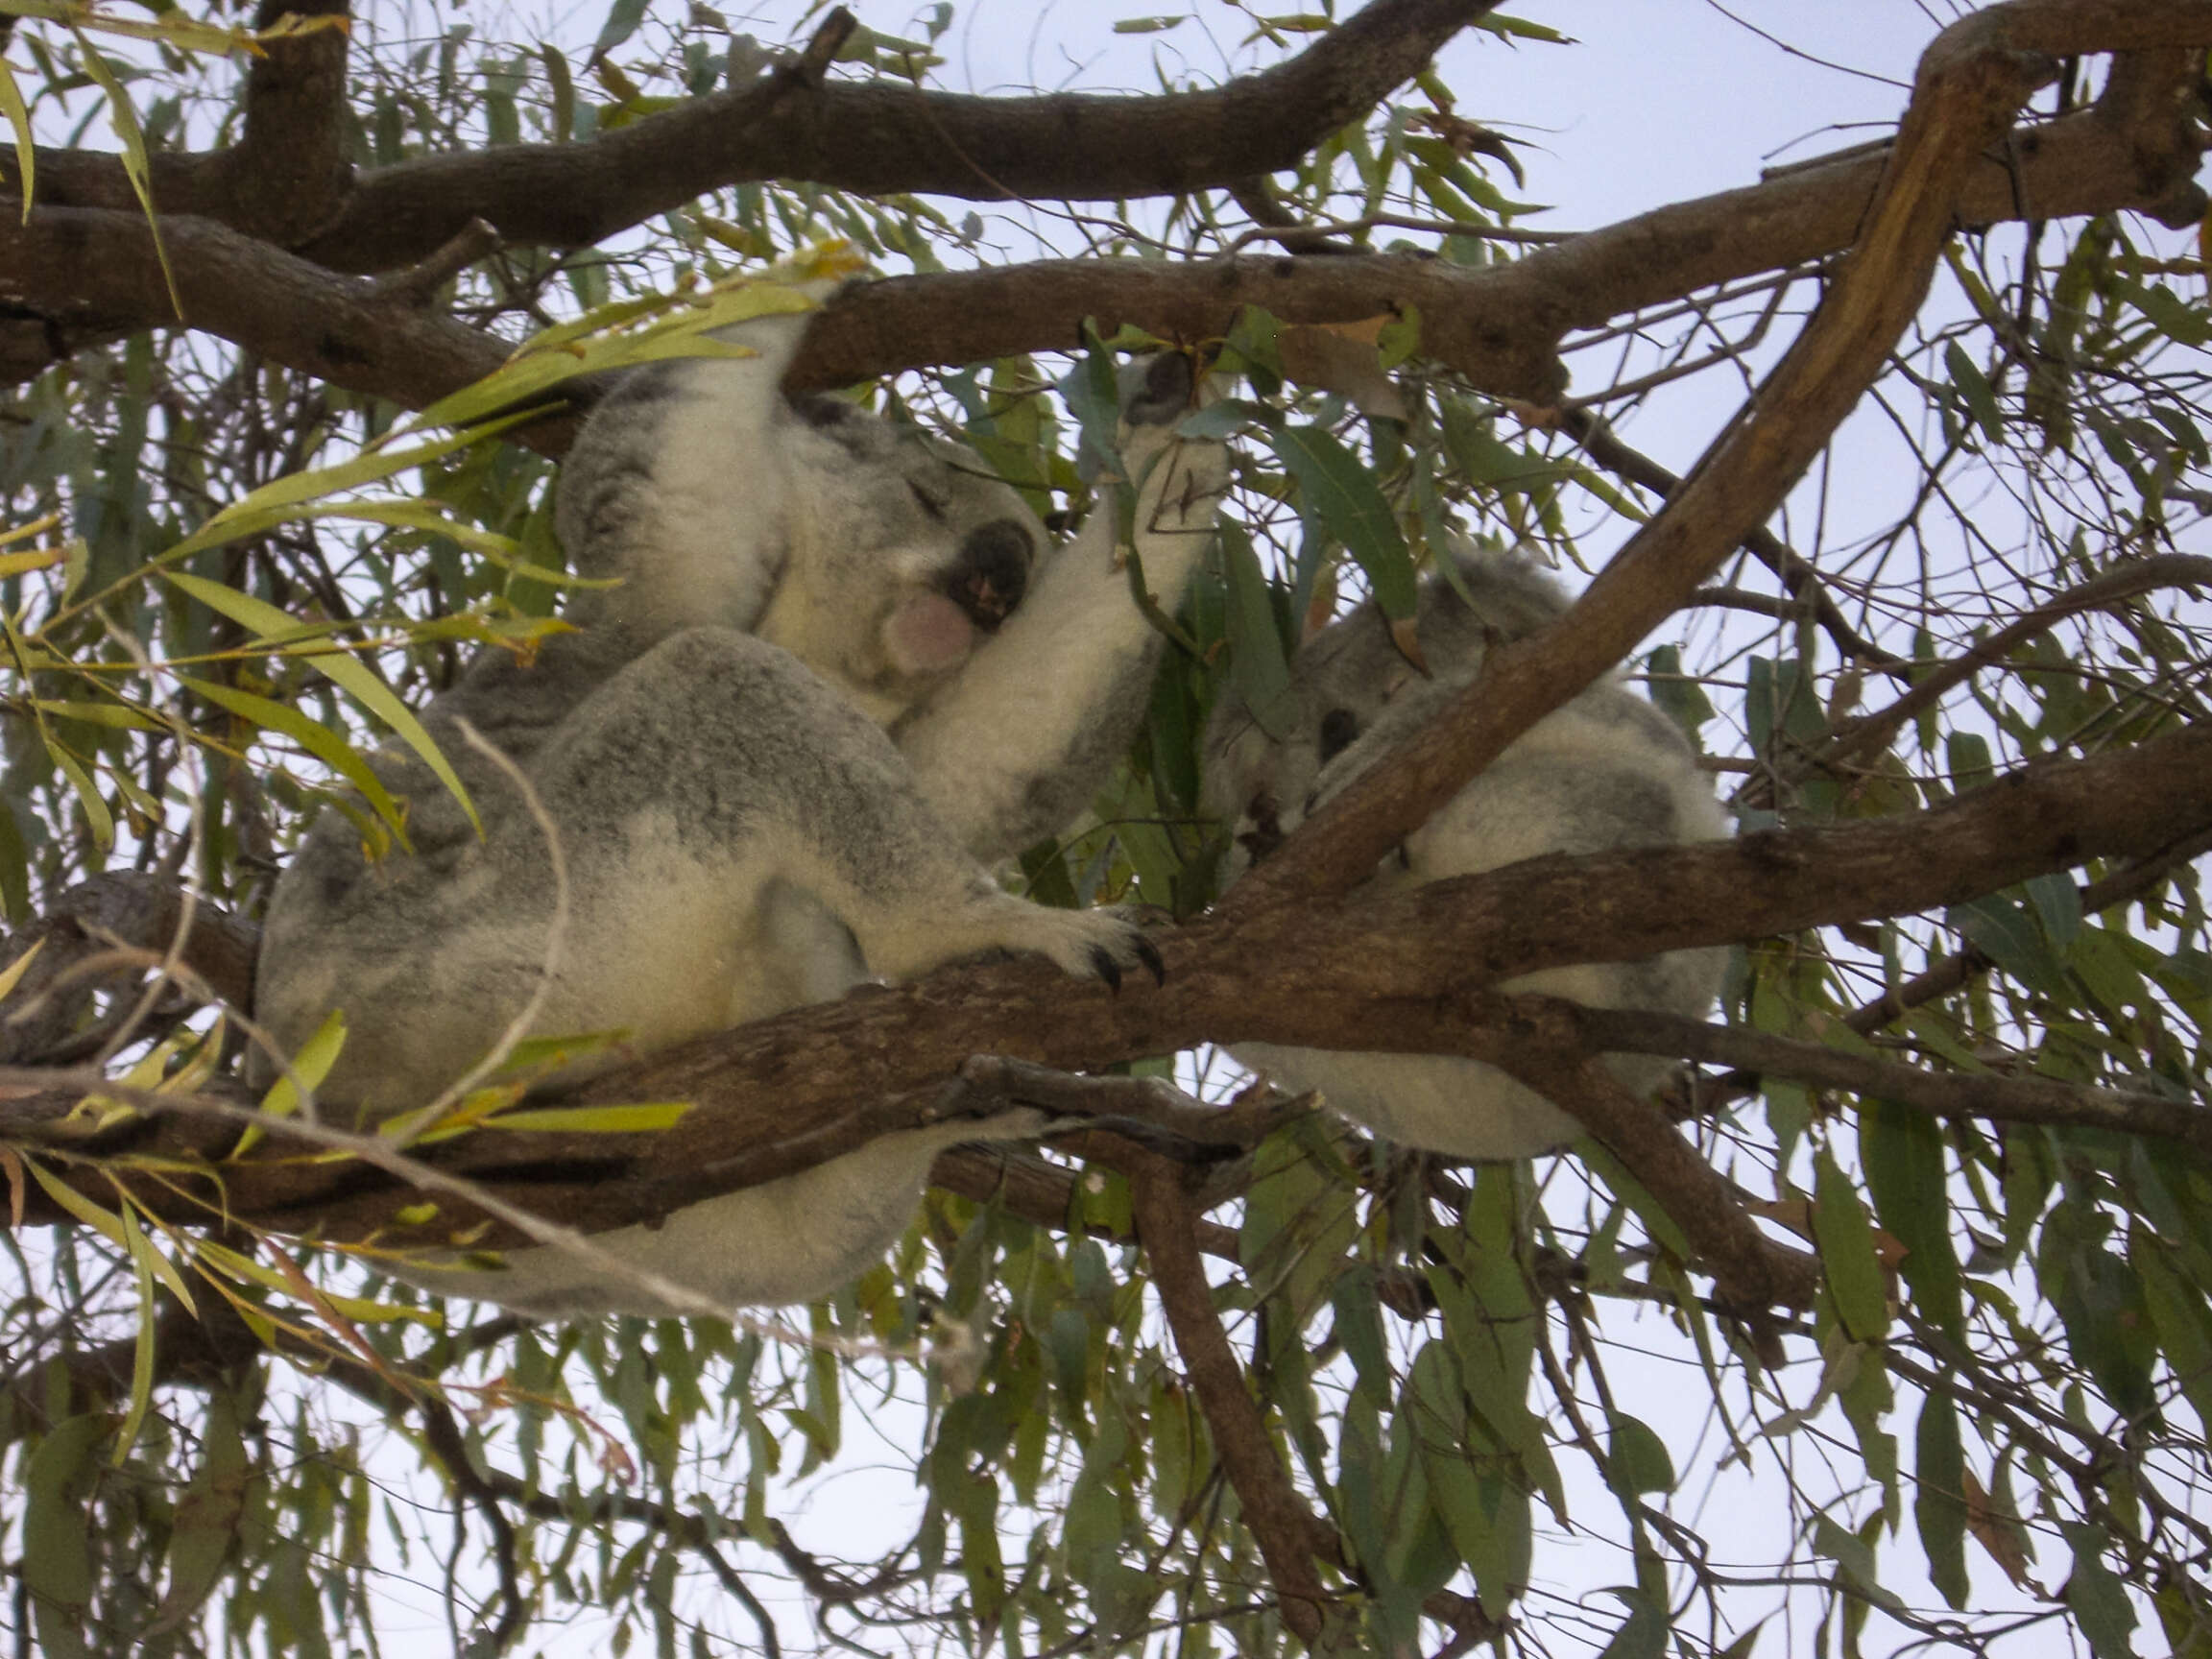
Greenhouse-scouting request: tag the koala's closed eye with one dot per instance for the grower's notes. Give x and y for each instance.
(1340, 731)
(929, 503)
(821, 411)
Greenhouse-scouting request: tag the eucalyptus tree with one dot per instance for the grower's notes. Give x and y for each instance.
(1884, 1326)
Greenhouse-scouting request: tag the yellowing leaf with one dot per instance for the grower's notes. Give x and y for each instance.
(105, 1222)
(19, 120)
(276, 501)
(639, 1118)
(364, 1312)
(353, 676)
(125, 120)
(12, 974)
(312, 735)
(310, 1066)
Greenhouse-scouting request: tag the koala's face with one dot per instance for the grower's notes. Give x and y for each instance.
(1353, 697)
(903, 554)
(1261, 783)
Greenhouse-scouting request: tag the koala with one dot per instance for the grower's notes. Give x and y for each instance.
(844, 673)
(1607, 770)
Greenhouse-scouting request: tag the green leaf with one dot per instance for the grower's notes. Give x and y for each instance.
(309, 1066)
(348, 672)
(1644, 1635)
(142, 1351)
(1975, 391)
(1846, 1239)
(2180, 1314)
(208, 1516)
(1349, 501)
(1939, 1498)
(1856, 1557)
(1148, 25)
(2096, 1596)
(1637, 1461)
(1258, 664)
(312, 735)
(638, 1117)
(56, 1553)
(1902, 1151)
(622, 20)
(1683, 699)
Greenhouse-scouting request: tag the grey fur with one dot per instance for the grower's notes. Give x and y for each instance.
(778, 758)
(1607, 770)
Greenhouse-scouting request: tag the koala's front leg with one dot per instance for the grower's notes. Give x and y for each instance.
(716, 766)
(1013, 748)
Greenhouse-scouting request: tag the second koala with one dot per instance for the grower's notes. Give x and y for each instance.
(1607, 770)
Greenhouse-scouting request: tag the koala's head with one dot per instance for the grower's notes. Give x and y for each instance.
(1262, 770)
(1352, 696)
(901, 553)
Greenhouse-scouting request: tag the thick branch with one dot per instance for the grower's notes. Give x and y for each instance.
(91, 273)
(287, 175)
(1789, 566)
(1319, 972)
(881, 137)
(1968, 91)
(1496, 325)
(78, 942)
(878, 138)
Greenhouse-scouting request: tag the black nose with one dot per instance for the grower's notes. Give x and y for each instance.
(993, 572)
(1267, 831)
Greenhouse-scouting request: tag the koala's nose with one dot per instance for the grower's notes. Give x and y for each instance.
(1264, 831)
(993, 572)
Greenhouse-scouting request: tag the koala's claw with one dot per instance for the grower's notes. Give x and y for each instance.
(1148, 954)
(1103, 965)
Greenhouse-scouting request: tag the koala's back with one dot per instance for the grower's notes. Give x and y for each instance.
(1607, 770)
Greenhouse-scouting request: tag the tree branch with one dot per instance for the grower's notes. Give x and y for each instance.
(1967, 89)
(1540, 1044)
(91, 275)
(287, 176)
(78, 941)
(1790, 568)
(2006, 1099)
(1281, 1523)
(2106, 592)
(1324, 972)
(1497, 326)
(877, 137)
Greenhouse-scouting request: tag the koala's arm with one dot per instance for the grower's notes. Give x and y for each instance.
(1013, 748)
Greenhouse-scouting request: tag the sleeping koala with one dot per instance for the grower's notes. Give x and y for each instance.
(1607, 770)
(844, 672)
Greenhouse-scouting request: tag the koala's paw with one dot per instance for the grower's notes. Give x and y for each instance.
(1089, 944)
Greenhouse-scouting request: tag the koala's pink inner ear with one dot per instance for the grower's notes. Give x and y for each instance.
(927, 635)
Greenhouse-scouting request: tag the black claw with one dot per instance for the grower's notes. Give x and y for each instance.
(1148, 954)
(1103, 963)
